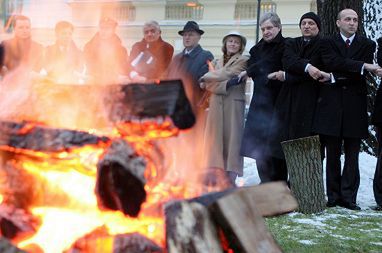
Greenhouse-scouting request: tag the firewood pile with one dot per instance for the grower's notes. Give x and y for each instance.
(225, 221)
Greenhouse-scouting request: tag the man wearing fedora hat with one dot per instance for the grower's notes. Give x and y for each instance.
(193, 61)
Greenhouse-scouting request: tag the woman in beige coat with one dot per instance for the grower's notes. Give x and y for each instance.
(225, 119)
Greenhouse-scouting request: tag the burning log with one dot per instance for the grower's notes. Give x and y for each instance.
(120, 179)
(21, 188)
(7, 247)
(26, 136)
(166, 98)
(99, 241)
(236, 212)
(15, 222)
(303, 158)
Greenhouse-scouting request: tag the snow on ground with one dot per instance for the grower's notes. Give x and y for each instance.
(365, 197)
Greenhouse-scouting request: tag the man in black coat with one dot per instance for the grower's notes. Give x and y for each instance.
(296, 103)
(377, 121)
(341, 115)
(265, 58)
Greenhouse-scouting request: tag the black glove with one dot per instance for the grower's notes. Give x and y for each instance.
(232, 82)
(379, 41)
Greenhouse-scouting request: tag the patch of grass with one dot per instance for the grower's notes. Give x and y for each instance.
(334, 230)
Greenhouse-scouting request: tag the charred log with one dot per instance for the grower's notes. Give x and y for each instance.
(166, 98)
(15, 222)
(26, 136)
(7, 247)
(120, 179)
(99, 241)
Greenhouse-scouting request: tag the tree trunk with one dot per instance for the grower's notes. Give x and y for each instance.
(303, 158)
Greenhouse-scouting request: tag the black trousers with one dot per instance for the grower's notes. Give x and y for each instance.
(342, 186)
(377, 182)
(271, 169)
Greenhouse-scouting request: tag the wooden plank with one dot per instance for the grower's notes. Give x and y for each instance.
(271, 199)
(242, 224)
(189, 229)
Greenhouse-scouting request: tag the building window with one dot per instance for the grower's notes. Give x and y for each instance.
(184, 10)
(247, 9)
(7, 10)
(122, 12)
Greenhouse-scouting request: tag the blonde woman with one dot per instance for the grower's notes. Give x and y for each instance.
(225, 119)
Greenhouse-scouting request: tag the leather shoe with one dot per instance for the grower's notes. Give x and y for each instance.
(332, 203)
(350, 206)
(377, 208)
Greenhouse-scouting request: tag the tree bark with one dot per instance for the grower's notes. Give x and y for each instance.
(303, 158)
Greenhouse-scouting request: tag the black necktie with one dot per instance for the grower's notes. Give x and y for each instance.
(347, 43)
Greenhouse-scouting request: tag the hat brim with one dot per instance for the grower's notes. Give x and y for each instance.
(243, 39)
(190, 30)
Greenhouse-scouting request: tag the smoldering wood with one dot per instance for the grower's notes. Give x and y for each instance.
(99, 241)
(22, 136)
(120, 179)
(230, 211)
(166, 98)
(7, 247)
(190, 229)
(16, 222)
(242, 223)
(304, 163)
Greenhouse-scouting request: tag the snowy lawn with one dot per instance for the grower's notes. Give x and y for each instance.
(334, 230)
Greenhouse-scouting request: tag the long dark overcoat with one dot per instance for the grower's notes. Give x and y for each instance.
(342, 107)
(265, 58)
(190, 68)
(376, 118)
(296, 103)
